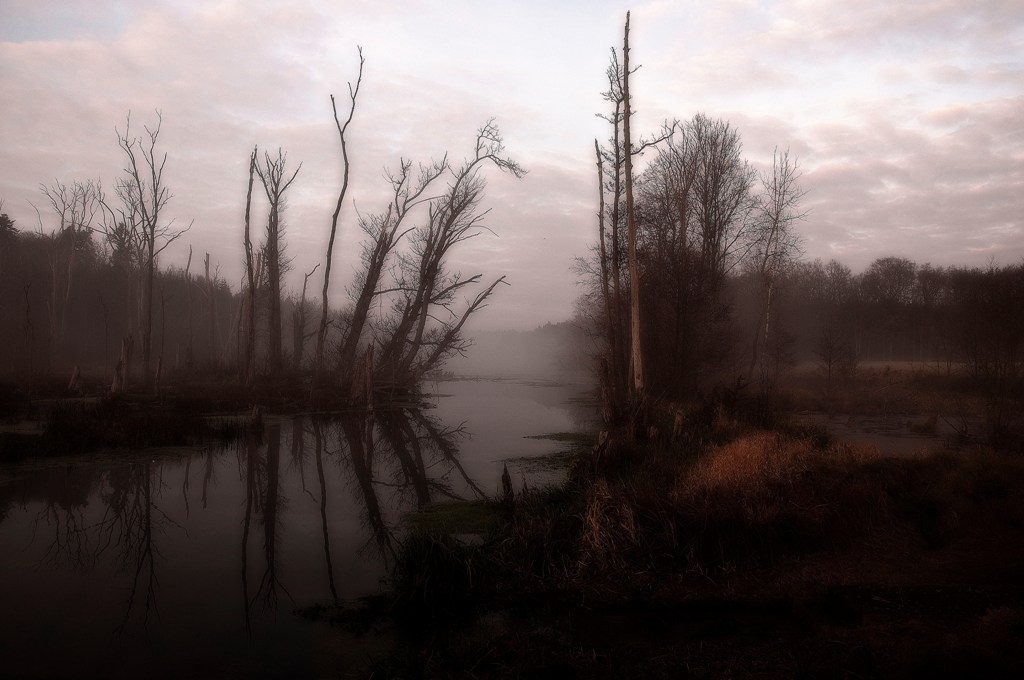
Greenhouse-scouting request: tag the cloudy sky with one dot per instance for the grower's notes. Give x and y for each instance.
(907, 117)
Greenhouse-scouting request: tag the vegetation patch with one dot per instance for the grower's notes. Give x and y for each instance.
(713, 544)
(559, 460)
(577, 439)
(455, 517)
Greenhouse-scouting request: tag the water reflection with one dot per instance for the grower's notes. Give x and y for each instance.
(123, 559)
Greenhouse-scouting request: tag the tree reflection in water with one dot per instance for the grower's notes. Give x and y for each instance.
(398, 460)
(119, 515)
(222, 539)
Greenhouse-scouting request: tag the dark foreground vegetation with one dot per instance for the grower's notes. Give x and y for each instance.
(733, 551)
(705, 534)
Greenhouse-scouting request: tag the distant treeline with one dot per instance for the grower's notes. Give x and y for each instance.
(967, 321)
(68, 301)
(898, 310)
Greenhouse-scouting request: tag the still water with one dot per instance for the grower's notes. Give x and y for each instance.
(192, 562)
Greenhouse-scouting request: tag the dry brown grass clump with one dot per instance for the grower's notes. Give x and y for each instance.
(761, 471)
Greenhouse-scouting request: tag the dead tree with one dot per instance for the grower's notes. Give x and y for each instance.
(272, 176)
(424, 282)
(385, 230)
(638, 390)
(211, 298)
(248, 367)
(612, 173)
(122, 371)
(188, 305)
(321, 338)
(299, 334)
(144, 194)
(777, 245)
(447, 340)
(614, 157)
(76, 206)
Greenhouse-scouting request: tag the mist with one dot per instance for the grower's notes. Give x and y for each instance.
(348, 340)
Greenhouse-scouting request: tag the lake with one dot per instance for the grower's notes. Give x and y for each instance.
(193, 562)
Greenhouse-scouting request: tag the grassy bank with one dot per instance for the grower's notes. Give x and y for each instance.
(738, 552)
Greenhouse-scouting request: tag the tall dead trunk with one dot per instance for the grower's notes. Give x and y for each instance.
(121, 372)
(144, 195)
(611, 322)
(637, 386)
(248, 367)
(188, 305)
(321, 338)
(299, 325)
(272, 176)
(211, 298)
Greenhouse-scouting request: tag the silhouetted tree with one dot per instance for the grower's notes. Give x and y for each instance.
(273, 177)
(249, 365)
(76, 206)
(144, 195)
(410, 347)
(321, 338)
(384, 230)
(776, 248)
(638, 386)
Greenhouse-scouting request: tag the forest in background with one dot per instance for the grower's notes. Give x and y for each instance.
(89, 292)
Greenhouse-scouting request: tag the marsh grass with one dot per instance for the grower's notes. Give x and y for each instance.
(576, 439)
(751, 503)
(712, 550)
(456, 517)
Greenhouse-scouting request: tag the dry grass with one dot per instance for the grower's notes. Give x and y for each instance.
(737, 559)
(761, 460)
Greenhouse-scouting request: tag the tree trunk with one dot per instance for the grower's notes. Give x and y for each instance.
(611, 320)
(638, 388)
(321, 338)
(210, 292)
(248, 368)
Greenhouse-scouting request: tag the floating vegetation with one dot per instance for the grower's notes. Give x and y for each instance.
(552, 462)
(455, 517)
(577, 439)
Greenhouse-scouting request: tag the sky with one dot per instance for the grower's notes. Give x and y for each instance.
(906, 118)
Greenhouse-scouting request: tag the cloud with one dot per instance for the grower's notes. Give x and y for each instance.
(925, 196)
(904, 116)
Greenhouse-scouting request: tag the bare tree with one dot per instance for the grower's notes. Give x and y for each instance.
(144, 195)
(189, 354)
(299, 334)
(272, 175)
(248, 368)
(613, 248)
(76, 206)
(385, 231)
(776, 243)
(321, 338)
(425, 283)
(616, 327)
(610, 372)
(211, 298)
(638, 388)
